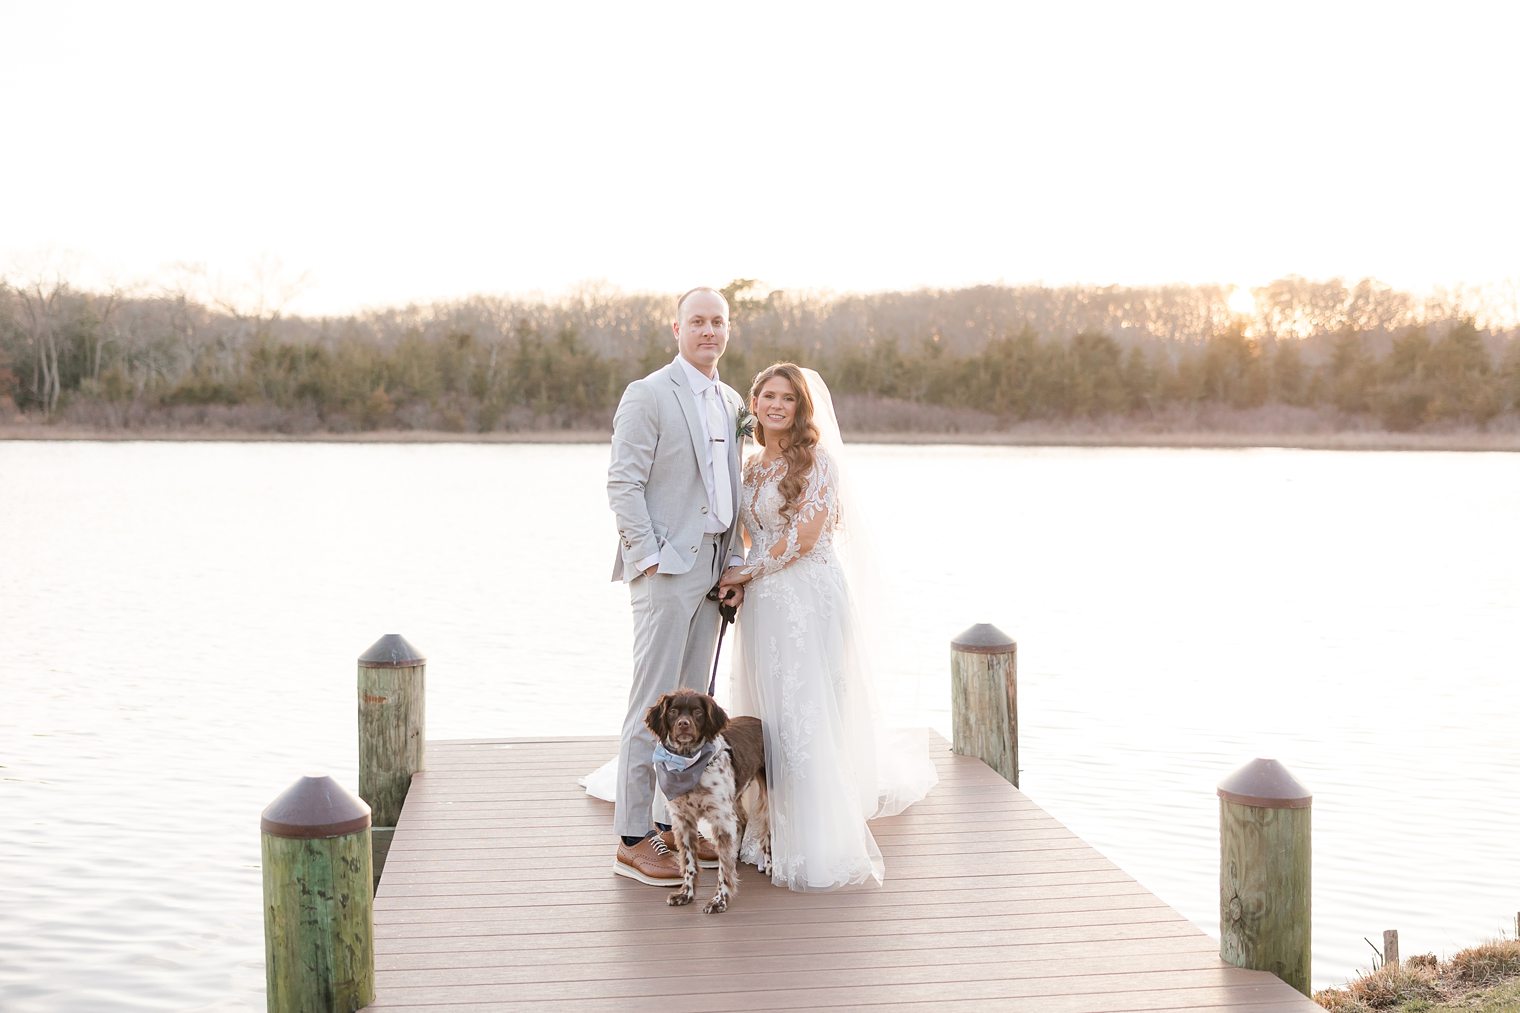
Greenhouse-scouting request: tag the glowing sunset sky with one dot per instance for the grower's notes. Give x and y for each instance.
(400, 152)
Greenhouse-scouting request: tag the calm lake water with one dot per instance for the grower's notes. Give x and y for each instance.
(180, 624)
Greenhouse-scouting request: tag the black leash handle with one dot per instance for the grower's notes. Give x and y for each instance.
(728, 612)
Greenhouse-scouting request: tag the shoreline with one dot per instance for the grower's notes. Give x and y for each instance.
(1479, 979)
(1360, 440)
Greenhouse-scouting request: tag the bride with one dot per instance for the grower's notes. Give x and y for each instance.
(799, 663)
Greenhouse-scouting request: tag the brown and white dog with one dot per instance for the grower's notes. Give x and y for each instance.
(693, 728)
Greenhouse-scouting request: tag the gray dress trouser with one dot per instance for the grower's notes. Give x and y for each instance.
(675, 629)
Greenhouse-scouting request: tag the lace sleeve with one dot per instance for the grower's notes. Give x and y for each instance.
(815, 514)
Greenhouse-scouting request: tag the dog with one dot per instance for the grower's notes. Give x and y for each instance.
(726, 755)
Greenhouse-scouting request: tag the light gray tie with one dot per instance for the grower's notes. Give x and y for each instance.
(719, 431)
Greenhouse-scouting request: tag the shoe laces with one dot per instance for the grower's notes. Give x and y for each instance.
(660, 847)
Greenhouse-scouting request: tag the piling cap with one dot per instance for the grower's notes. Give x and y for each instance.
(391, 651)
(1265, 784)
(315, 806)
(983, 638)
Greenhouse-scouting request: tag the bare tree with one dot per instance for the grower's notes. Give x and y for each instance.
(39, 304)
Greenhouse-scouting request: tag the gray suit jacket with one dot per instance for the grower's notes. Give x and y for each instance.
(656, 483)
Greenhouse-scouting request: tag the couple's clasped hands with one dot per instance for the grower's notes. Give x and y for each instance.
(731, 586)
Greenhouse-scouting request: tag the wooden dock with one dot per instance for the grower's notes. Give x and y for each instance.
(498, 894)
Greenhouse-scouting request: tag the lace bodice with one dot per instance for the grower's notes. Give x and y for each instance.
(809, 532)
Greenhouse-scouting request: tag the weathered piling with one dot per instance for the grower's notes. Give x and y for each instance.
(1390, 947)
(319, 932)
(1264, 872)
(984, 698)
(392, 733)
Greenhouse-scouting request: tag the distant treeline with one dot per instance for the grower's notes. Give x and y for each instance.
(980, 358)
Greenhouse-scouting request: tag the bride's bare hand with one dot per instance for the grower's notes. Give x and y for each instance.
(731, 594)
(734, 576)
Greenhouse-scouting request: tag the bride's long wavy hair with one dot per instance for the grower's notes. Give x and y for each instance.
(798, 443)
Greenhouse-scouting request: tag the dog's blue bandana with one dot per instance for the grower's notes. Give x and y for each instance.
(679, 774)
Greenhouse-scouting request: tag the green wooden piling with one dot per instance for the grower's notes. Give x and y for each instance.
(392, 733)
(1264, 872)
(319, 932)
(984, 698)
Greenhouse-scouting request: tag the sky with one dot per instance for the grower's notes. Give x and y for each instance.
(330, 157)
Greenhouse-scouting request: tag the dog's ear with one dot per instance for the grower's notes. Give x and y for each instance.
(717, 718)
(656, 716)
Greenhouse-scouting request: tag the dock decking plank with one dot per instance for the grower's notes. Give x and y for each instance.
(498, 894)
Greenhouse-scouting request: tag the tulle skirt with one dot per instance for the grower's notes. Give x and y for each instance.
(831, 764)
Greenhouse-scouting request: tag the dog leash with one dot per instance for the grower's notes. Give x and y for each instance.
(727, 612)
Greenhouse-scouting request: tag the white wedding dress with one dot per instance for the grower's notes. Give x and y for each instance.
(798, 666)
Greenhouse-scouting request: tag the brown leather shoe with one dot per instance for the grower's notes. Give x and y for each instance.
(650, 861)
(707, 855)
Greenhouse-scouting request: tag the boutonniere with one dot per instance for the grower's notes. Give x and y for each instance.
(744, 424)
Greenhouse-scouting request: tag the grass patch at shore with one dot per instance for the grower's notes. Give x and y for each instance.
(1480, 979)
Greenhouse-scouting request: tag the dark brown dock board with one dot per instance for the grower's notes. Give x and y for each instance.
(498, 894)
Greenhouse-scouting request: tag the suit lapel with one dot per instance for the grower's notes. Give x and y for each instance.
(688, 402)
(735, 458)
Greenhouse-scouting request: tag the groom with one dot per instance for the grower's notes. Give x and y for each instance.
(674, 485)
